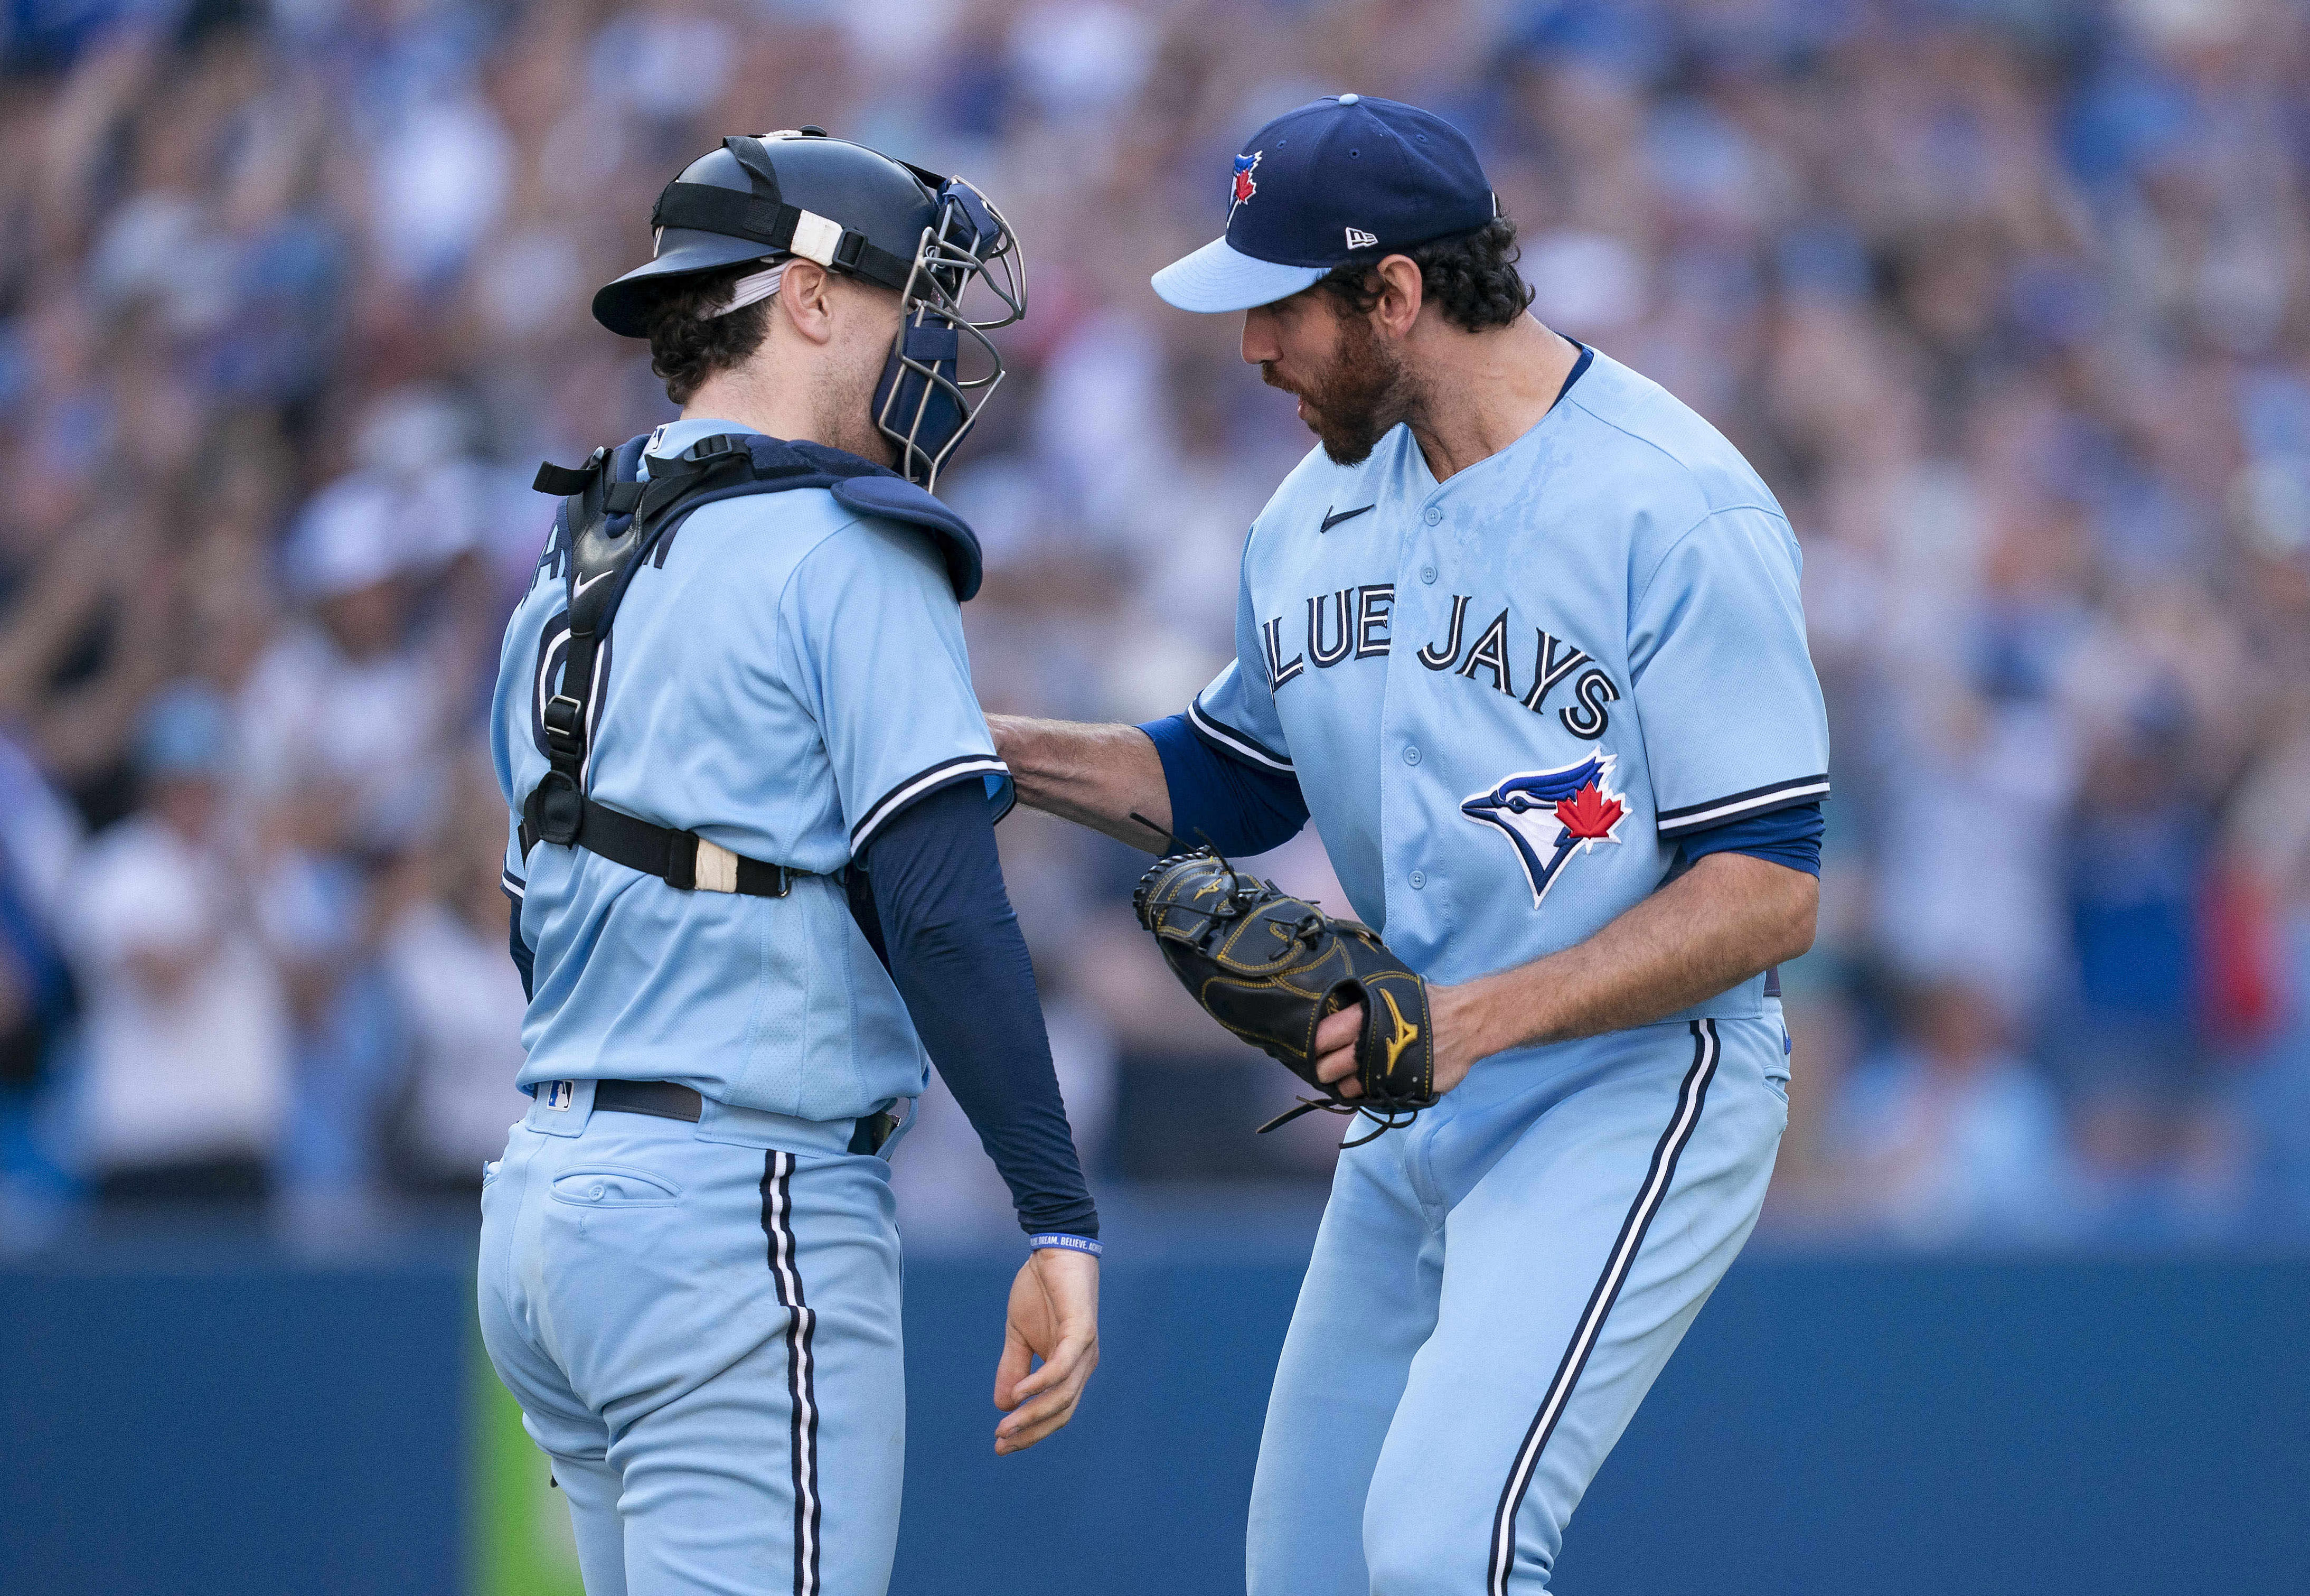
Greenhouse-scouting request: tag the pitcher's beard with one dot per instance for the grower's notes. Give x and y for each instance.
(1354, 404)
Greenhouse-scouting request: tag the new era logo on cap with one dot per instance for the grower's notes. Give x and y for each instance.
(1401, 173)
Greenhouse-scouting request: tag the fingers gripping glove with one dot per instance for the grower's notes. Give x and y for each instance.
(1270, 966)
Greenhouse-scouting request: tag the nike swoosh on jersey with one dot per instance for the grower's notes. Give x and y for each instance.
(1330, 521)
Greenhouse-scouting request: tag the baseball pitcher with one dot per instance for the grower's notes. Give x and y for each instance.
(1523, 637)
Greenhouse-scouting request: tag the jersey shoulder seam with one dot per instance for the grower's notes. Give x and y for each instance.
(1580, 401)
(1678, 542)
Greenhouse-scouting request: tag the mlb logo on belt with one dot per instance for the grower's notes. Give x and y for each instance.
(558, 1093)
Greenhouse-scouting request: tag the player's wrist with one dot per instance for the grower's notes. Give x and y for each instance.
(1492, 1014)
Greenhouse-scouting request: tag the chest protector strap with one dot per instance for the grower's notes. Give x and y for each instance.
(608, 526)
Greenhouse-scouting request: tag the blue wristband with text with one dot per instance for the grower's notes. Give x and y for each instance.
(1059, 1239)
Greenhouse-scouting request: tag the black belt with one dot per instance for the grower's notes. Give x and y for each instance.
(682, 859)
(662, 1099)
(667, 1100)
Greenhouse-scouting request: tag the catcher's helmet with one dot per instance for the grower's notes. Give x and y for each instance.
(855, 211)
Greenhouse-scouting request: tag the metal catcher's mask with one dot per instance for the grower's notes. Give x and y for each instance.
(800, 194)
(943, 366)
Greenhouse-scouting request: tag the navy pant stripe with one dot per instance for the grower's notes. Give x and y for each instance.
(1690, 1097)
(777, 1225)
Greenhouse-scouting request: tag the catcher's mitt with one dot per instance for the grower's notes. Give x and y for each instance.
(1270, 966)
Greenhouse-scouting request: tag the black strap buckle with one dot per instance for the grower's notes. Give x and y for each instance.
(564, 719)
(717, 445)
(562, 482)
(695, 863)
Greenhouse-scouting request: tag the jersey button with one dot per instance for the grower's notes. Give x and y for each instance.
(1418, 880)
(1433, 516)
(1412, 753)
(1428, 573)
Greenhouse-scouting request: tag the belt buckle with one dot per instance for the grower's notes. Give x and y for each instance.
(717, 868)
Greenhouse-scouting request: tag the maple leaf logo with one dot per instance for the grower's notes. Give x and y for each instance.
(1588, 816)
(1244, 186)
(1550, 816)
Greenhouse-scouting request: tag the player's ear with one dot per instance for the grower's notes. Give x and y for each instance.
(806, 300)
(1402, 294)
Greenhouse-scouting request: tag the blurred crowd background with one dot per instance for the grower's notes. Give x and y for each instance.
(2009, 300)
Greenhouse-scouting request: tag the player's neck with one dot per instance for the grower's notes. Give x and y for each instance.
(754, 395)
(739, 394)
(1479, 392)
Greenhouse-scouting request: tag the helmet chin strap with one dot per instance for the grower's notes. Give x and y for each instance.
(750, 289)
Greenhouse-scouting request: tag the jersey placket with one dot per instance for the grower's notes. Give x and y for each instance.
(1410, 859)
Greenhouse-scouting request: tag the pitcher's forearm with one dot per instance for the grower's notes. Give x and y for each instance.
(1096, 775)
(1724, 920)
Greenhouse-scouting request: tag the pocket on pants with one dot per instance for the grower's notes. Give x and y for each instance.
(605, 1185)
(1776, 1068)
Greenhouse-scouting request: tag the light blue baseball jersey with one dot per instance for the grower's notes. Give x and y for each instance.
(783, 677)
(1506, 696)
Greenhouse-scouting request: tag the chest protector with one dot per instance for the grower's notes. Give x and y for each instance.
(608, 526)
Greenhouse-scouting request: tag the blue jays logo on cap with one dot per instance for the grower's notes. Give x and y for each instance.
(1548, 816)
(1340, 181)
(1243, 187)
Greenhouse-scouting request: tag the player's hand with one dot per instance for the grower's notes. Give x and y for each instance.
(1457, 1049)
(1054, 1316)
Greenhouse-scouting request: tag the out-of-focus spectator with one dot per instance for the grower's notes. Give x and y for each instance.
(187, 1080)
(458, 998)
(1949, 1135)
(39, 1002)
(2010, 304)
(347, 720)
(351, 722)
(2270, 840)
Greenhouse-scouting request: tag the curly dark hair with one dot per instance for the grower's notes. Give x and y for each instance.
(1471, 277)
(684, 349)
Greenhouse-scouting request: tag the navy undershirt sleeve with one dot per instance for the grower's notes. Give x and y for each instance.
(934, 906)
(1235, 806)
(524, 959)
(1790, 836)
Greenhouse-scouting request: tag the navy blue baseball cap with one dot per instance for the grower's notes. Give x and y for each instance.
(1343, 181)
